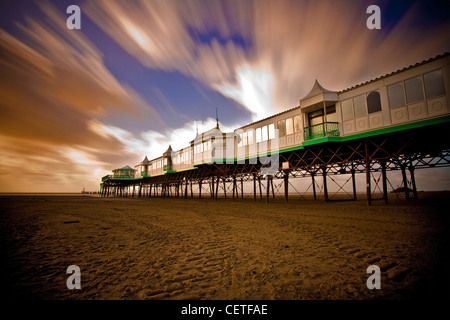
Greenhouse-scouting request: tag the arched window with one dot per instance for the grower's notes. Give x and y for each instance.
(373, 102)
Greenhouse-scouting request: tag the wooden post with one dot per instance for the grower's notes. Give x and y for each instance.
(268, 187)
(242, 187)
(200, 189)
(185, 189)
(192, 193)
(413, 182)
(212, 188)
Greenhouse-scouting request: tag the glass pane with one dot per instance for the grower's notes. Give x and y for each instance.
(373, 102)
(332, 117)
(258, 135)
(414, 90)
(271, 131)
(316, 120)
(297, 123)
(396, 96)
(250, 137)
(359, 103)
(282, 128)
(347, 109)
(264, 133)
(289, 126)
(240, 140)
(434, 84)
(244, 136)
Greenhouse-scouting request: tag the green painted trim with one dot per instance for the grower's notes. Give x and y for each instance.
(321, 140)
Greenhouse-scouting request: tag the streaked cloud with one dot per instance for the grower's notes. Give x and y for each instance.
(53, 84)
(294, 42)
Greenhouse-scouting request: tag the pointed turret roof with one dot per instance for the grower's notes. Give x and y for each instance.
(145, 161)
(317, 95)
(317, 89)
(168, 151)
(123, 168)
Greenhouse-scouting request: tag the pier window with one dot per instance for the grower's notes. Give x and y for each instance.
(315, 117)
(297, 123)
(289, 126)
(281, 128)
(396, 95)
(331, 114)
(434, 84)
(359, 103)
(271, 131)
(264, 133)
(347, 109)
(245, 139)
(250, 137)
(414, 90)
(373, 102)
(258, 135)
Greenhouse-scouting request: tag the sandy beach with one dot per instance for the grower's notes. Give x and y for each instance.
(206, 249)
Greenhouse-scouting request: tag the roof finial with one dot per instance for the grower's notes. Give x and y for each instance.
(217, 119)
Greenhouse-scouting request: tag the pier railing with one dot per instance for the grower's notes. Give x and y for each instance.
(327, 129)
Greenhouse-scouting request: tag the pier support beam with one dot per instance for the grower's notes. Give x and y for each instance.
(217, 187)
(286, 186)
(368, 188)
(405, 181)
(314, 185)
(325, 189)
(254, 187)
(234, 186)
(260, 190)
(384, 177)
(353, 171)
(224, 187)
(413, 182)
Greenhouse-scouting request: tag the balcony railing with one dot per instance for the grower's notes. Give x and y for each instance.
(328, 129)
(110, 176)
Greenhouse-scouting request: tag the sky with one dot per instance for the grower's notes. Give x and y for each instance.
(140, 75)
